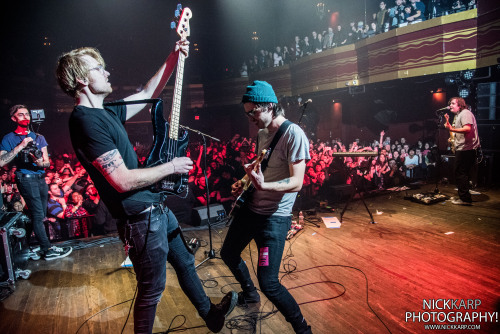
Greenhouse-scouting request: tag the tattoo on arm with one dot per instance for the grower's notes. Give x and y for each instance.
(109, 162)
(287, 180)
(8, 156)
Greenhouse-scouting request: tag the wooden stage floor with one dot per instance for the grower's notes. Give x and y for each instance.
(360, 278)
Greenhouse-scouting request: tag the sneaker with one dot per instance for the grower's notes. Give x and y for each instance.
(217, 314)
(55, 252)
(473, 192)
(302, 328)
(35, 249)
(460, 202)
(245, 297)
(33, 255)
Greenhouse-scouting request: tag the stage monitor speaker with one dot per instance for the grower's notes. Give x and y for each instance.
(200, 217)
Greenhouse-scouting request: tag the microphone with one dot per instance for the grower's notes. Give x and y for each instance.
(444, 108)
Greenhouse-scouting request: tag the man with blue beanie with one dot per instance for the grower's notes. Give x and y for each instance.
(266, 215)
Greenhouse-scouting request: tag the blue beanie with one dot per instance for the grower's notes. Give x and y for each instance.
(260, 92)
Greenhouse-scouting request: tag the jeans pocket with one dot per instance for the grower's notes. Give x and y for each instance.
(155, 223)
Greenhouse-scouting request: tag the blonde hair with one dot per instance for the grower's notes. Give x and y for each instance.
(71, 68)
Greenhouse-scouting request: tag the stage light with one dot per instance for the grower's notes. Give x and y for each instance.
(450, 80)
(463, 92)
(468, 75)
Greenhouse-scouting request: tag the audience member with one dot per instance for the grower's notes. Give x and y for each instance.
(382, 17)
(76, 215)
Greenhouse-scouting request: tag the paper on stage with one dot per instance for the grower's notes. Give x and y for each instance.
(331, 222)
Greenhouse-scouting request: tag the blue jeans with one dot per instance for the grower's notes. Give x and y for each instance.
(36, 194)
(269, 233)
(150, 250)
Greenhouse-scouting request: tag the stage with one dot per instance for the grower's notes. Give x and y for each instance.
(360, 278)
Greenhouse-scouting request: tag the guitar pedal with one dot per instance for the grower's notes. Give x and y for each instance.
(194, 244)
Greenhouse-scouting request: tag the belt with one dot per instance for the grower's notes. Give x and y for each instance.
(34, 176)
(145, 215)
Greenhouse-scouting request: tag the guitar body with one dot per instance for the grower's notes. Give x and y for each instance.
(451, 142)
(451, 139)
(247, 190)
(239, 202)
(164, 150)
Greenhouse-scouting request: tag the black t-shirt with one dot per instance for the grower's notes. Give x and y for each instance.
(96, 131)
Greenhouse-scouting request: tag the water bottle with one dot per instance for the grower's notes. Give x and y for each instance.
(301, 218)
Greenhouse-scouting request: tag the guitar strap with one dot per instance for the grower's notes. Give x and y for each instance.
(156, 102)
(283, 127)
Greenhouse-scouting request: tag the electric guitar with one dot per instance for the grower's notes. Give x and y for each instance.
(168, 143)
(247, 190)
(451, 140)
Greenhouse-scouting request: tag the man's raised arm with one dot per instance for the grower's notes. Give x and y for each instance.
(156, 84)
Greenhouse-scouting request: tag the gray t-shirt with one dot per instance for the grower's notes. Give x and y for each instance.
(293, 146)
(466, 141)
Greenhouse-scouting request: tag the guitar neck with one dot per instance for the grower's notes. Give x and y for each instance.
(176, 100)
(245, 179)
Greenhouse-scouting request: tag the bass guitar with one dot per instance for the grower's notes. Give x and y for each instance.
(168, 142)
(247, 187)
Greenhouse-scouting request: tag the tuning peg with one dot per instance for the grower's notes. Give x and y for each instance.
(172, 25)
(179, 7)
(177, 13)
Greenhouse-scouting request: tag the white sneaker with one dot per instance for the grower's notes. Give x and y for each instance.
(473, 192)
(55, 252)
(460, 202)
(33, 255)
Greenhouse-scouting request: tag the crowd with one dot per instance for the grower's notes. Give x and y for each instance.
(75, 209)
(390, 16)
(390, 164)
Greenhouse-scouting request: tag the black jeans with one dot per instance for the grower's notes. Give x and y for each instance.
(269, 233)
(154, 242)
(464, 161)
(36, 193)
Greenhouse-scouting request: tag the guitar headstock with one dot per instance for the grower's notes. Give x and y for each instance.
(181, 22)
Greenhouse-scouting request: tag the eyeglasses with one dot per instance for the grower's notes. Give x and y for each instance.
(252, 112)
(99, 68)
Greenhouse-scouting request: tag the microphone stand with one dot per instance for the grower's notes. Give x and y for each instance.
(437, 157)
(304, 106)
(210, 253)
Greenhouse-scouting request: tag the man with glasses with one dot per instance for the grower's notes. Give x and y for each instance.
(147, 227)
(265, 216)
(29, 152)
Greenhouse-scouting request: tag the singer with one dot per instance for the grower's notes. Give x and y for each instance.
(466, 143)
